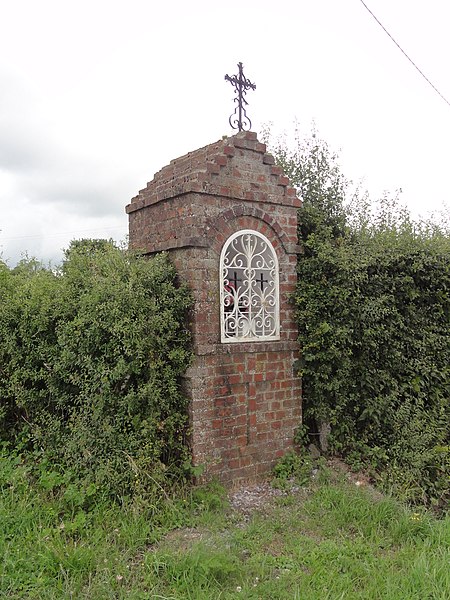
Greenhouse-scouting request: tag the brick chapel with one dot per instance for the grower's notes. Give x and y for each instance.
(228, 218)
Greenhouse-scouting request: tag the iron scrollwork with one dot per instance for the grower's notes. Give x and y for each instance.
(249, 271)
(239, 119)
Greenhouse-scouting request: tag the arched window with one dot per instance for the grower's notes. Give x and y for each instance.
(249, 289)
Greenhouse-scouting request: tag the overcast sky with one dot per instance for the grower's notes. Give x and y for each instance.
(98, 95)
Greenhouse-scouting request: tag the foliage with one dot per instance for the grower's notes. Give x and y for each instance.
(91, 357)
(293, 467)
(373, 305)
(333, 540)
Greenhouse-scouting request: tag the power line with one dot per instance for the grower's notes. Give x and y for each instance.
(401, 49)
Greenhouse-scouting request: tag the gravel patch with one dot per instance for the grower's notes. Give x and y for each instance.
(256, 497)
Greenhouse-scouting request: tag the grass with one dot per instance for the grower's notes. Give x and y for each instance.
(329, 540)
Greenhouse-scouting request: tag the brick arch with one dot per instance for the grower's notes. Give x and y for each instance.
(246, 217)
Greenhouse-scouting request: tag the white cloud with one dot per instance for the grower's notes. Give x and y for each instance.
(96, 96)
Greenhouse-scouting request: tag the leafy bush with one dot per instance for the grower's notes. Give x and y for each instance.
(91, 357)
(373, 305)
(293, 466)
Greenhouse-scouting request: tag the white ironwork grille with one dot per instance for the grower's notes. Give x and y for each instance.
(249, 290)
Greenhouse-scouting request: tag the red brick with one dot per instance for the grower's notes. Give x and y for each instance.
(221, 160)
(241, 394)
(268, 159)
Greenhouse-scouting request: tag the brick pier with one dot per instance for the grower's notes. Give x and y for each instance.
(245, 399)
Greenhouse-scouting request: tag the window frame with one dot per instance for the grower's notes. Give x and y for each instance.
(229, 295)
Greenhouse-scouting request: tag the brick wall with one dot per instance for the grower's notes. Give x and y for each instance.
(245, 398)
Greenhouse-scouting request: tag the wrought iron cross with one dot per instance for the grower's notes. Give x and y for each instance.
(235, 280)
(242, 84)
(262, 281)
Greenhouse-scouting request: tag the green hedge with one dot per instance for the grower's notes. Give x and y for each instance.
(373, 302)
(90, 361)
(374, 320)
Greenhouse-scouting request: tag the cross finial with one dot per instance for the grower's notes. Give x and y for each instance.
(239, 120)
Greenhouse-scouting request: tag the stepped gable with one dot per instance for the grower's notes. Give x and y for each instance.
(213, 170)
